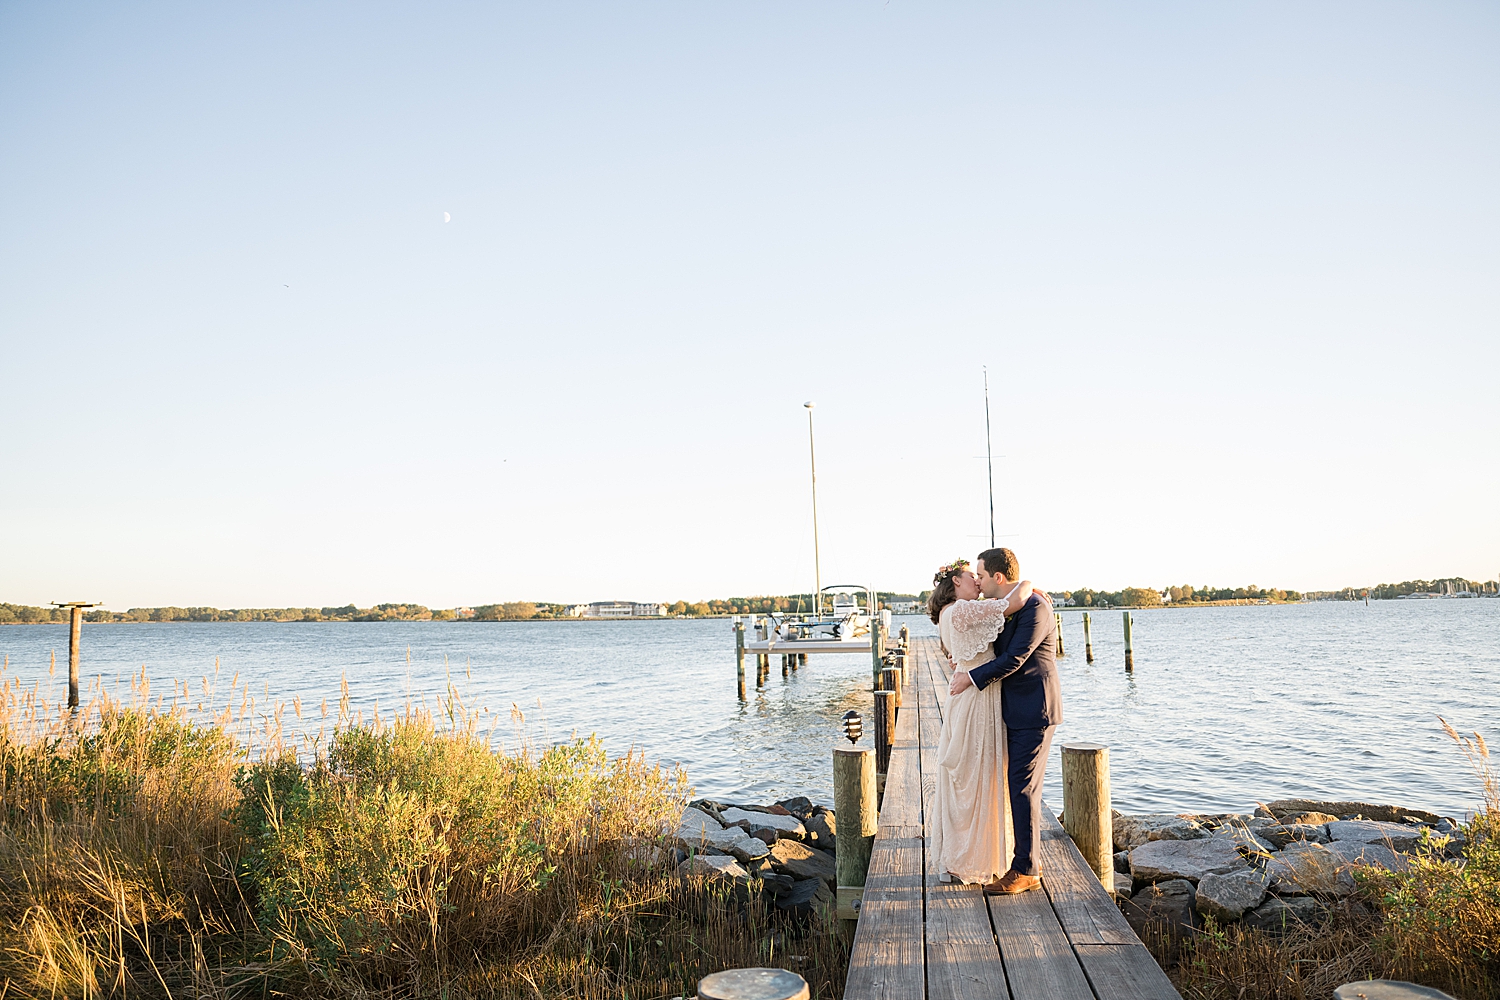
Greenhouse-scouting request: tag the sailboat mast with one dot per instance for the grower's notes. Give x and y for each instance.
(989, 453)
(812, 455)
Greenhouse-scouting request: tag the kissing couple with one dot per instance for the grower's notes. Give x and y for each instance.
(1004, 704)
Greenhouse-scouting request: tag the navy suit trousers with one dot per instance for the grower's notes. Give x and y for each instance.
(1028, 762)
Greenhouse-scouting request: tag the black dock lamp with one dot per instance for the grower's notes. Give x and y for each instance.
(853, 726)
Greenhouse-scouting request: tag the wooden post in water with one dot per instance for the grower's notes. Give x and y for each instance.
(1057, 619)
(875, 650)
(890, 680)
(75, 640)
(1129, 648)
(854, 805)
(900, 672)
(785, 665)
(739, 655)
(753, 984)
(802, 659)
(1088, 640)
(1086, 808)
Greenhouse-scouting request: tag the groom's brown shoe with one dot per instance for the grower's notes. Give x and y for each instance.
(1011, 883)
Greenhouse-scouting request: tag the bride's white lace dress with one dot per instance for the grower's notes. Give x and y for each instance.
(971, 832)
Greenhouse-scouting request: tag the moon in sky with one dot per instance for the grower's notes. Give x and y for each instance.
(447, 217)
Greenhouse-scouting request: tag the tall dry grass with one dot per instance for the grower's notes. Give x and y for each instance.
(142, 853)
(1437, 924)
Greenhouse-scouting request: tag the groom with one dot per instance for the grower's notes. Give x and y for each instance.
(1025, 664)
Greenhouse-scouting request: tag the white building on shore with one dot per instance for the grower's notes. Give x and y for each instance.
(619, 609)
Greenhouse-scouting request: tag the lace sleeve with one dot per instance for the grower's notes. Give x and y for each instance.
(975, 625)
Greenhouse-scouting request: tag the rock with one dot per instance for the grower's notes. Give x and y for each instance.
(790, 857)
(1184, 859)
(799, 806)
(806, 897)
(708, 806)
(1227, 897)
(776, 884)
(1278, 915)
(695, 823)
(787, 826)
(1134, 830)
(1397, 836)
(1261, 812)
(821, 830)
(1244, 839)
(766, 837)
(1384, 814)
(1165, 906)
(1124, 885)
(700, 833)
(1122, 862)
(1305, 818)
(715, 866)
(1304, 868)
(1282, 834)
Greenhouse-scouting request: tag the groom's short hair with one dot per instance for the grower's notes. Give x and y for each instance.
(1002, 561)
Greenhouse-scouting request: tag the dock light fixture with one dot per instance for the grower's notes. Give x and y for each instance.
(853, 726)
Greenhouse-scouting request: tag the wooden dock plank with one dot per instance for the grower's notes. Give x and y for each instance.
(962, 960)
(1039, 960)
(1125, 972)
(902, 802)
(1085, 910)
(887, 960)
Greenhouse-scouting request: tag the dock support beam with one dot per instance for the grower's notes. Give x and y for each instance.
(1086, 808)
(890, 680)
(854, 805)
(885, 729)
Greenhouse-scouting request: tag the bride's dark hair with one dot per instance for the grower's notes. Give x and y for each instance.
(942, 588)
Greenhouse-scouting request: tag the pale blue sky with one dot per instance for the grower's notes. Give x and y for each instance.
(1232, 268)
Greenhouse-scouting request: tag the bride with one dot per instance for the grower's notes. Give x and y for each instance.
(971, 837)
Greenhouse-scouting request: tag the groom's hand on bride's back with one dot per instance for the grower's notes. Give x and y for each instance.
(960, 681)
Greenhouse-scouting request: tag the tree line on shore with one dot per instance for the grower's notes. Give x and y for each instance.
(14, 614)
(1133, 597)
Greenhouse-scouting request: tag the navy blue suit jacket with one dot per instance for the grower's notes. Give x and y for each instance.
(1026, 667)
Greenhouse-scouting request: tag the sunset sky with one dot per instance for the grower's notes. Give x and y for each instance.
(1232, 268)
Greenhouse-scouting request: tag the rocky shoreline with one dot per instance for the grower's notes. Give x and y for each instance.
(784, 849)
(1273, 869)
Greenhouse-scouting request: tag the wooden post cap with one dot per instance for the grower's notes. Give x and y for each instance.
(1387, 989)
(753, 984)
(1083, 747)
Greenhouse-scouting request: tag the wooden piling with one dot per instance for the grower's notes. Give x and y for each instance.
(890, 680)
(802, 659)
(854, 805)
(876, 652)
(786, 665)
(1057, 619)
(75, 641)
(1129, 649)
(900, 659)
(885, 729)
(753, 984)
(739, 655)
(1088, 640)
(1086, 806)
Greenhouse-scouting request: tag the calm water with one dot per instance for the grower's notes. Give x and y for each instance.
(1226, 706)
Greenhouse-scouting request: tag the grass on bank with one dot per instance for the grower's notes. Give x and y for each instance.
(144, 854)
(1437, 924)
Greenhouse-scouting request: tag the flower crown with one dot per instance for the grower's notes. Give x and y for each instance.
(949, 571)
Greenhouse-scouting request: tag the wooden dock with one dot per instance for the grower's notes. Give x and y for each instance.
(920, 938)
